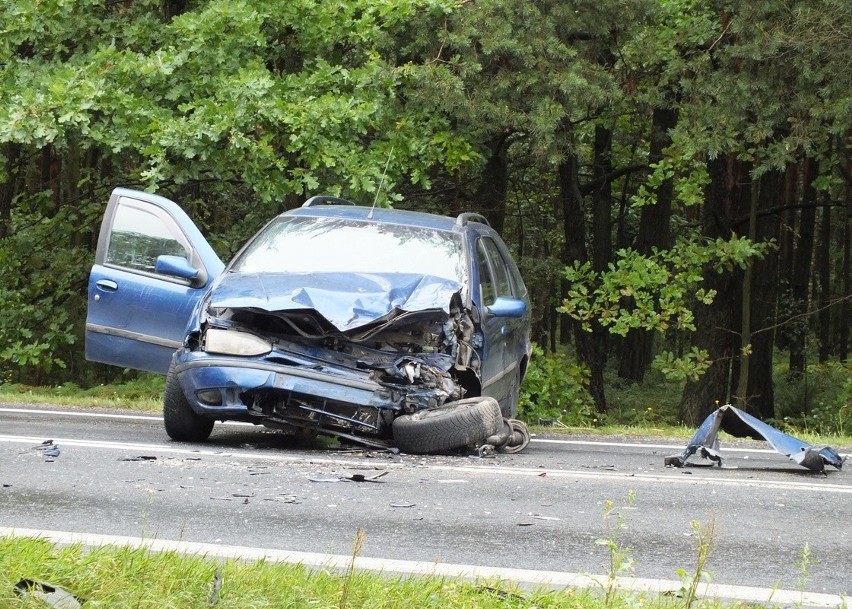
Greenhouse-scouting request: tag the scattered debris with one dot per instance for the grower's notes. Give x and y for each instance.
(402, 505)
(503, 594)
(139, 458)
(552, 423)
(740, 424)
(352, 478)
(363, 478)
(48, 449)
(50, 594)
(285, 499)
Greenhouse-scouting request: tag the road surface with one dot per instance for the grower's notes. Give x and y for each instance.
(776, 525)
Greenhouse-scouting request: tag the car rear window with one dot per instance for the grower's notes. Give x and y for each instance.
(321, 245)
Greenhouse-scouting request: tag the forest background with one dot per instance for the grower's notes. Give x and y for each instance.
(674, 176)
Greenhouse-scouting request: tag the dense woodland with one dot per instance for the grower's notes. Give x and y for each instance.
(674, 176)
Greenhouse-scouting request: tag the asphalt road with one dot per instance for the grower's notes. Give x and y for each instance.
(776, 525)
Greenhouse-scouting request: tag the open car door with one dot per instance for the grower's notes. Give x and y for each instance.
(152, 266)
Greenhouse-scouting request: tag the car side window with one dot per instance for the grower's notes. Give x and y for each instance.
(493, 274)
(140, 233)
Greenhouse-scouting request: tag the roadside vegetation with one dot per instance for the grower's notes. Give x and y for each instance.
(816, 407)
(673, 176)
(123, 577)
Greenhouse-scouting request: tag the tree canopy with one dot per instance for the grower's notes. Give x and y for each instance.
(675, 176)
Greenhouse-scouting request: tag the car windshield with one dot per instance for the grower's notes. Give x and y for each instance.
(293, 244)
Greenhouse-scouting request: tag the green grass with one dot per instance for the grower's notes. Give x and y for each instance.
(144, 393)
(119, 577)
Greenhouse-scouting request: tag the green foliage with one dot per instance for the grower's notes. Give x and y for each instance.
(662, 287)
(42, 295)
(647, 405)
(620, 559)
(818, 402)
(657, 292)
(704, 545)
(555, 388)
(689, 366)
(239, 109)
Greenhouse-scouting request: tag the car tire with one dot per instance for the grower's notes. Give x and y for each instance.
(182, 422)
(455, 425)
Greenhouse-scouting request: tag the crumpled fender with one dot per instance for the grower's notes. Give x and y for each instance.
(740, 424)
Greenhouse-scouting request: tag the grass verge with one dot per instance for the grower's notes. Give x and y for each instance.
(121, 577)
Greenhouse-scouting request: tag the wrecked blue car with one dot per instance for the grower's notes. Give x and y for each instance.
(389, 328)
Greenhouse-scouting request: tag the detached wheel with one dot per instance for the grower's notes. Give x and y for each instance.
(182, 422)
(455, 425)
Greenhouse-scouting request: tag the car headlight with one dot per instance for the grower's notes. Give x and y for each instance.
(231, 342)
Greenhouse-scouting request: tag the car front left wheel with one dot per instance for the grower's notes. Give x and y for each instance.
(466, 422)
(182, 422)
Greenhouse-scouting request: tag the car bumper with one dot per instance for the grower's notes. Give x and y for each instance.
(221, 386)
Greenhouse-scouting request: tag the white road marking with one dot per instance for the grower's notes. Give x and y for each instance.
(461, 465)
(83, 414)
(158, 418)
(552, 579)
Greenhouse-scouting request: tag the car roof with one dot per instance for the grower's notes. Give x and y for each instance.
(385, 216)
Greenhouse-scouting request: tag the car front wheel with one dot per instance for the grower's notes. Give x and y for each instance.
(457, 424)
(182, 422)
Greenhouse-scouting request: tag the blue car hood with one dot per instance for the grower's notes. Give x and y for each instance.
(346, 300)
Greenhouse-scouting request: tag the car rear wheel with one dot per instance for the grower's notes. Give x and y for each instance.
(462, 423)
(182, 422)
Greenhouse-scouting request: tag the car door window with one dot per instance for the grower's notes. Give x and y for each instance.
(493, 275)
(141, 233)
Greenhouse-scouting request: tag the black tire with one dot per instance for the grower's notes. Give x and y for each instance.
(455, 425)
(182, 422)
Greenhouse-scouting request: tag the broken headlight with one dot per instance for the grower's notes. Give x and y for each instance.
(232, 342)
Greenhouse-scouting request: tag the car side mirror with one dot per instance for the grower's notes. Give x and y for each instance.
(176, 266)
(507, 307)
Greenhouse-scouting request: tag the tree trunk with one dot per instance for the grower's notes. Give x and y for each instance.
(602, 226)
(173, 8)
(846, 308)
(654, 231)
(823, 265)
(602, 200)
(786, 245)
(714, 333)
(760, 388)
(741, 373)
(589, 351)
(490, 197)
(802, 258)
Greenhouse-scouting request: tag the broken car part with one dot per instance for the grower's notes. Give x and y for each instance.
(53, 596)
(740, 424)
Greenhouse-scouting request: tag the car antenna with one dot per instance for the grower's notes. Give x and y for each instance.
(382, 181)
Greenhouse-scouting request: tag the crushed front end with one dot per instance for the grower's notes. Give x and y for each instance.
(293, 370)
